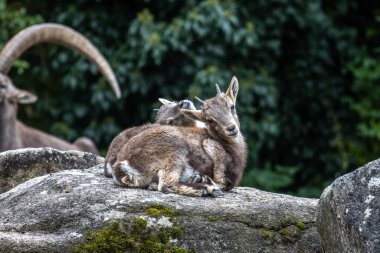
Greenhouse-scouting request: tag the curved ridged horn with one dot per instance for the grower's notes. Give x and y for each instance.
(217, 89)
(59, 34)
(200, 100)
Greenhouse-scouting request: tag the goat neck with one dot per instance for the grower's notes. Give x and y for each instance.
(8, 130)
(219, 113)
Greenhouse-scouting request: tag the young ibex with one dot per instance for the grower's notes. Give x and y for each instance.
(13, 133)
(168, 114)
(170, 156)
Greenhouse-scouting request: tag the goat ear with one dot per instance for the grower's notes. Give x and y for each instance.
(193, 114)
(233, 89)
(25, 97)
(164, 101)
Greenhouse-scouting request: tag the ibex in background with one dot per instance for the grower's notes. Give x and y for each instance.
(168, 114)
(13, 133)
(169, 155)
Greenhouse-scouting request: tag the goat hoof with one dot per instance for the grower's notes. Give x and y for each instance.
(204, 193)
(200, 179)
(195, 179)
(206, 179)
(167, 190)
(216, 193)
(153, 187)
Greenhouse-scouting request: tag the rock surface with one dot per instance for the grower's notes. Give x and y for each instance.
(17, 166)
(51, 213)
(348, 216)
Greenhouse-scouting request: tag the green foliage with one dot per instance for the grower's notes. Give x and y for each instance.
(308, 76)
(277, 179)
(12, 21)
(365, 67)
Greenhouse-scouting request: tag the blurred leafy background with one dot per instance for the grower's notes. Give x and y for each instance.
(309, 74)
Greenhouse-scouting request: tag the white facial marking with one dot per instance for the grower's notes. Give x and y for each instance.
(200, 124)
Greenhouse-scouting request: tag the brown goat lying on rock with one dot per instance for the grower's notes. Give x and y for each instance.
(168, 114)
(166, 158)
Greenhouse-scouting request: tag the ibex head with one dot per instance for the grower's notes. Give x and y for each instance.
(170, 113)
(219, 112)
(9, 94)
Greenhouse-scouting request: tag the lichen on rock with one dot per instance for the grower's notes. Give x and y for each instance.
(132, 236)
(348, 216)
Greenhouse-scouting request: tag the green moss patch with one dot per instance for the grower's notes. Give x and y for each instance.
(159, 210)
(267, 233)
(290, 234)
(176, 231)
(213, 218)
(300, 225)
(135, 236)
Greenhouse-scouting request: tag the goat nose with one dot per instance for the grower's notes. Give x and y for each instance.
(231, 127)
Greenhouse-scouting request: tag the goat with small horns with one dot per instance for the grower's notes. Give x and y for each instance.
(167, 157)
(168, 114)
(13, 133)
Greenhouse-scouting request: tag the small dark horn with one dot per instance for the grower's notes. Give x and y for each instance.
(217, 89)
(200, 100)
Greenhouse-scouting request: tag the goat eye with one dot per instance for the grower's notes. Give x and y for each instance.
(232, 107)
(209, 121)
(3, 86)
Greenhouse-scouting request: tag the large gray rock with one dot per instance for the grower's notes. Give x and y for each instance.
(17, 166)
(348, 216)
(52, 213)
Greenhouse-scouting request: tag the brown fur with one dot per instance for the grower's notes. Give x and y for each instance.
(166, 154)
(168, 114)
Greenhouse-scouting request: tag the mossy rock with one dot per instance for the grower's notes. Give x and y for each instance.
(160, 210)
(300, 225)
(213, 218)
(267, 233)
(131, 236)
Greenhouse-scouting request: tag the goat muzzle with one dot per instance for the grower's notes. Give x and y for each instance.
(232, 130)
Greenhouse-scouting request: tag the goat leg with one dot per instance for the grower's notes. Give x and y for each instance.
(169, 182)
